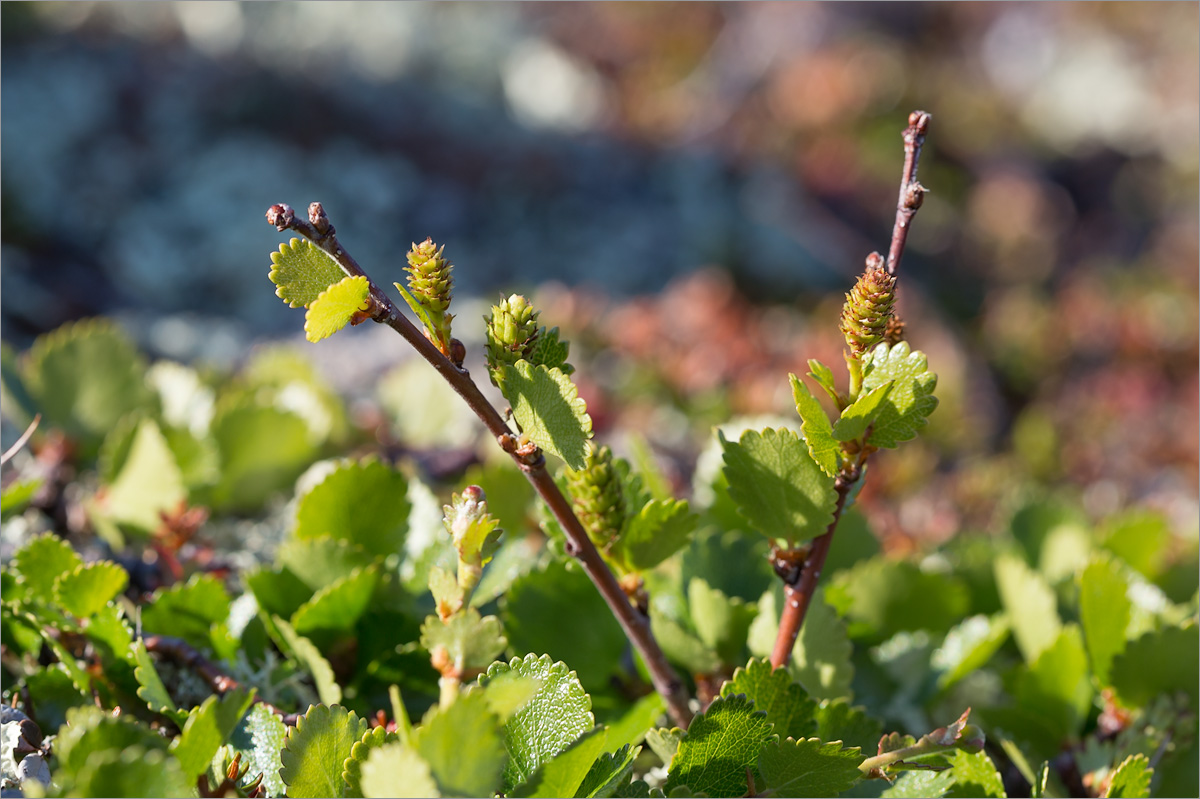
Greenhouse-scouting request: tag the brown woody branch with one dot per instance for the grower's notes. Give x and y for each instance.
(184, 654)
(800, 582)
(321, 233)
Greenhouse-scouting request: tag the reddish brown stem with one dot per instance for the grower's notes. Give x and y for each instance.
(912, 193)
(532, 463)
(797, 595)
(189, 657)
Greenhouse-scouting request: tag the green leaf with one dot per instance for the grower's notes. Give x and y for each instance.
(301, 271)
(911, 399)
(557, 611)
(838, 721)
(470, 640)
(548, 408)
(1131, 780)
(788, 707)
(426, 413)
(88, 588)
(881, 597)
(149, 482)
(90, 730)
(610, 772)
(822, 657)
(306, 652)
(549, 351)
(335, 307)
(508, 693)
(656, 532)
(824, 377)
(730, 561)
(1104, 611)
(1141, 538)
(1057, 684)
(188, 610)
(51, 693)
(396, 770)
(260, 737)
(151, 690)
(17, 495)
(548, 723)
(1160, 662)
(1030, 604)
(279, 592)
(321, 561)
(779, 489)
(637, 720)
(316, 749)
(338, 605)
(920, 785)
(207, 729)
(418, 308)
(132, 772)
(564, 773)
(352, 768)
(440, 740)
(263, 449)
(84, 377)
(968, 646)
(721, 622)
(665, 743)
(42, 560)
(975, 775)
(720, 745)
(809, 767)
(858, 417)
(680, 644)
(818, 432)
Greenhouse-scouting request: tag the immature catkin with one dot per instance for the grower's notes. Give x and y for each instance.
(868, 308)
(597, 498)
(512, 331)
(429, 277)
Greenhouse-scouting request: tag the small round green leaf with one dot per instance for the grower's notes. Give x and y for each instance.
(316, 749)
(300, 272)
(547, 406)
(335, 307)
(88, 588)
(778, 487)
(720, 746)
(362, 502)
(548, 723)
(809, 767)
(42, 560)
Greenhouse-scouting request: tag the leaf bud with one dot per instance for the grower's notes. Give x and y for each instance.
(971, 739)
(597, 498)
(868, 307)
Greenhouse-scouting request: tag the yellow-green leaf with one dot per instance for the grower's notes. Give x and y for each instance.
(300, 272)
(335, 306)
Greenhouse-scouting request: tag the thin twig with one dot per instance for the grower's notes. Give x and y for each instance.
(189, 657)
(912, 193)
(20, 442)
(798, 594)
(799, 586)
(320, 232)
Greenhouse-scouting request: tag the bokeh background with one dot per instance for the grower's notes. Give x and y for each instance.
(686, 188)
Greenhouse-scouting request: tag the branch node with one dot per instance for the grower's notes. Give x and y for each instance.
(319, 220)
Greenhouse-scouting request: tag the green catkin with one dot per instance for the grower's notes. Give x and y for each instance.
(597, 498)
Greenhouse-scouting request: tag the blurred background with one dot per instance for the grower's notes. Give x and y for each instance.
(687, 189)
